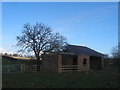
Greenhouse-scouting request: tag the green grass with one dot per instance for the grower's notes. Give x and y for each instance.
(96, 79)
(93, 79)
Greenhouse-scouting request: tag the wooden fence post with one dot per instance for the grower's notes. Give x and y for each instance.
(102, 64)
(24, 67)
(59, 63)
(21, 68)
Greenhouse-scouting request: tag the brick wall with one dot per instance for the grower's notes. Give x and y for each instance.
(81, 66)
(50, 63)
(53, 62)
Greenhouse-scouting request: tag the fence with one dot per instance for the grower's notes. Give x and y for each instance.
(69, 68)
(111, 68)
(74, 68)
(14, 68)
(31, 68)
(20, 68)
(112, 64)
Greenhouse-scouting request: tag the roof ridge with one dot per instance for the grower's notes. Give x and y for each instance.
(94, 50)
(76, 45)
(85, 47)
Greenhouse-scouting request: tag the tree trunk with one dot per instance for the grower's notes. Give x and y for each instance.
(38, 64)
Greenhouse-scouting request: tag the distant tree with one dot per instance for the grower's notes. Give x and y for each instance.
(116, 56)
(116, 52)
(5, 53)
(106, 56)
(15, 54)
(40, 39)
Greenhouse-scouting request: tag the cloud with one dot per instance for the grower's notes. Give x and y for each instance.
(85, 20)
(93, 14)
(70, 21)
(2, 50)
(81, 19)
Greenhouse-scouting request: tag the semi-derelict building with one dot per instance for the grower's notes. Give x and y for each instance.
(75, 58)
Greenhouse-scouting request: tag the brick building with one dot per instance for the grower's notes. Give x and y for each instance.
(80, 57)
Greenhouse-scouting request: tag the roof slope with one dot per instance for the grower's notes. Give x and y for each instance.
(82, 50)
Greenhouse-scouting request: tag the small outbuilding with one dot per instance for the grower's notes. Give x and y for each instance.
(74, 58)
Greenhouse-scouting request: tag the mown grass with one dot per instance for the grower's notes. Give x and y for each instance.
(94, 79)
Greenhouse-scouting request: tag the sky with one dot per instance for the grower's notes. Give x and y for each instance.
(91, 24)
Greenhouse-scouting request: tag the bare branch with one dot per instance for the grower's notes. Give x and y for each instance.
(40, 38)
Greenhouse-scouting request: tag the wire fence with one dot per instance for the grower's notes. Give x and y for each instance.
(14, 68)
(21, 68)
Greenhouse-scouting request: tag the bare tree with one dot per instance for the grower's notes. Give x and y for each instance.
(39, 38)
(116, 51)
(116, 57)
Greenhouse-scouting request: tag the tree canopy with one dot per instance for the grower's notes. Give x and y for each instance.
(40, 38)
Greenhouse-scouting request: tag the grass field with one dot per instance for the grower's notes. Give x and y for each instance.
(93, 79)
(98, 79)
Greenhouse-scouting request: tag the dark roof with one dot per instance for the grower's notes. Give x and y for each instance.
(82, 50)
